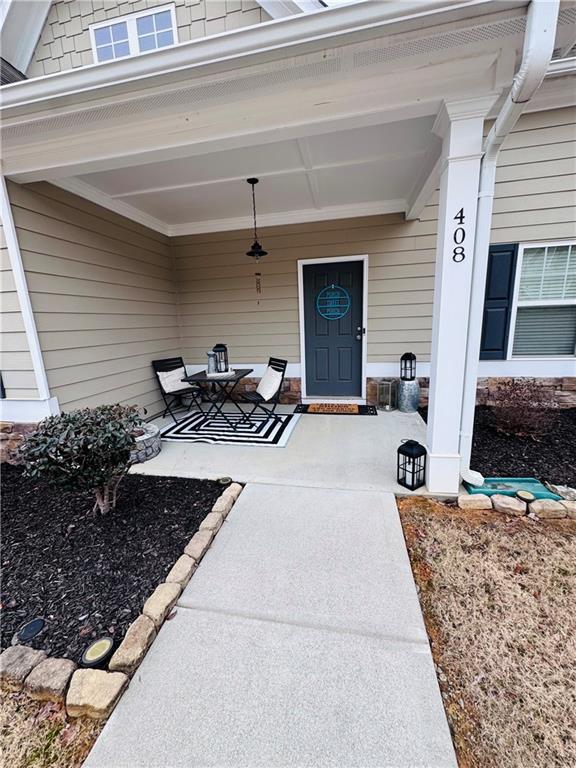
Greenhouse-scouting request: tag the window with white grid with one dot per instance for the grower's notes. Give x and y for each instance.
(545, 321)
(133, 34)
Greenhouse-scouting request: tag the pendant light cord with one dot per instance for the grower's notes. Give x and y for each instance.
(254, 210)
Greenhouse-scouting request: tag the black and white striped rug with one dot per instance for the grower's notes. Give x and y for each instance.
(215, 430)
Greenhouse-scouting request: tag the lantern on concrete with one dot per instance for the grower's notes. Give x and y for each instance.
(411, 467)
(221, 351)
(387, 399)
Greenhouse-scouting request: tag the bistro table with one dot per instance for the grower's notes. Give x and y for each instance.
(225, 386)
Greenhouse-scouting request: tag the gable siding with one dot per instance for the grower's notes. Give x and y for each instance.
(65, 41)
(103, 297)
(15, 360)
(535, 200)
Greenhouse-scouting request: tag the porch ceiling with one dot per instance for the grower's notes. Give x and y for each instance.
(371, 168)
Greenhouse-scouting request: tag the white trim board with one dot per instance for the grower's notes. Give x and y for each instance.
(19, 274)
(331, 260)
(28, 411)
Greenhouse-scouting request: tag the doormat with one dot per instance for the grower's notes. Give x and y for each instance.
(339, 409)
(259, 431)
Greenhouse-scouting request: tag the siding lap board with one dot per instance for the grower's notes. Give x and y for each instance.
(103, 297)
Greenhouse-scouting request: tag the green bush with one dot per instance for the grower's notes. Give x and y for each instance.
(83, 450)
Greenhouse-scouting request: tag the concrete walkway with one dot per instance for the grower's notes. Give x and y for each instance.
(298, 643)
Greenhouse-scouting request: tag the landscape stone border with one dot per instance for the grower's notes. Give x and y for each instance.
(95, 692)
(540, 509)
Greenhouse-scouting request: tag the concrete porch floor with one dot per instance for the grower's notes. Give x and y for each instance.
(339, 452)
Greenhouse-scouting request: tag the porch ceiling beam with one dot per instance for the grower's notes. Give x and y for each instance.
(426, 184)
(307, 167)
(73, 156)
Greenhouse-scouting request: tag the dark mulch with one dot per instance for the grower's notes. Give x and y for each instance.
(90, 576)
(551, 458)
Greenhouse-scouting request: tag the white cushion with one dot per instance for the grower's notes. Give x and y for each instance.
(172, 380)
(269, 383)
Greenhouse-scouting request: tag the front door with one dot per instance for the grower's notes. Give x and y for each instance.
(333, 311)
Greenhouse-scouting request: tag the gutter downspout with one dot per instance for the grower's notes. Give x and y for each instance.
(536, 56)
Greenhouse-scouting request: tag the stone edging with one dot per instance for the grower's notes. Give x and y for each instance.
(540, 509)
(95, 692)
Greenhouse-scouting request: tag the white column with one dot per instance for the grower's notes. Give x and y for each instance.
(459, 124)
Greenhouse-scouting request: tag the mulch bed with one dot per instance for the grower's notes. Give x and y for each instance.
(90, 576)
(551, 458)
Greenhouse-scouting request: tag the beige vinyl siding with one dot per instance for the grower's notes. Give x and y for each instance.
(15, 360)
(535, 196)
(218, 299)
(103, 297)
(65, 40)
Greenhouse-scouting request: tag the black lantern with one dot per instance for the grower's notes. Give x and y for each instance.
(408, 366)
(221, 357)
(411, 465)
(256, 251)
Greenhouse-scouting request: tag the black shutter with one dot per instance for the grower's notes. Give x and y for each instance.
(498, 301)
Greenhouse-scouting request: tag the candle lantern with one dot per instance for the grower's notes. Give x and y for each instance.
(411, 464)
(221, 351)
(387, 395)
(408, 366)
(409, 389)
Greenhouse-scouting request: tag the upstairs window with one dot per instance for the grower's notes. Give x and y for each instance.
(137, 33)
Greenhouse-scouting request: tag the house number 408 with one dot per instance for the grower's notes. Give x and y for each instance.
(458, 253)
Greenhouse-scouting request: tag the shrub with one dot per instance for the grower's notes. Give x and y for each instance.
(523, 408)
(83, 450)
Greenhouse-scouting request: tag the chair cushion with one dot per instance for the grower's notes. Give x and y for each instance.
(269, 383)
(171, 381)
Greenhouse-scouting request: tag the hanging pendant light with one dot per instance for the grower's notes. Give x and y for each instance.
(256, 251)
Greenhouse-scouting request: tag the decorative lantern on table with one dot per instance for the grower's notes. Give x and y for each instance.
(387, 395)
(411, 469)
(409, 389)
(221, 351)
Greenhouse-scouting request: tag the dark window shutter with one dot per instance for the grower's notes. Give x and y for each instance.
(498, 301)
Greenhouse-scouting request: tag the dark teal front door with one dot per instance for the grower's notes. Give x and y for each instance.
(333, 328)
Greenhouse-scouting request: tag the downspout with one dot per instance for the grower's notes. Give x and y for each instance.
(536, 56)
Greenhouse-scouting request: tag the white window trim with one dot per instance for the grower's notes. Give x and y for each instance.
(533, 302)
(130, 19)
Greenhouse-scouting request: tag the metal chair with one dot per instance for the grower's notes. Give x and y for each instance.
(175, 397)
(263, 400)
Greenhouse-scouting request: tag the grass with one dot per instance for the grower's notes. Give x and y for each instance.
(499, 599)
(38, 734)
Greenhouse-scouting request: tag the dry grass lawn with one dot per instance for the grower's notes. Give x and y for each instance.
(38, 735)
(499, 598)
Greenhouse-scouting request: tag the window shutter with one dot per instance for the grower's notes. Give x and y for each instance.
(498, 301)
